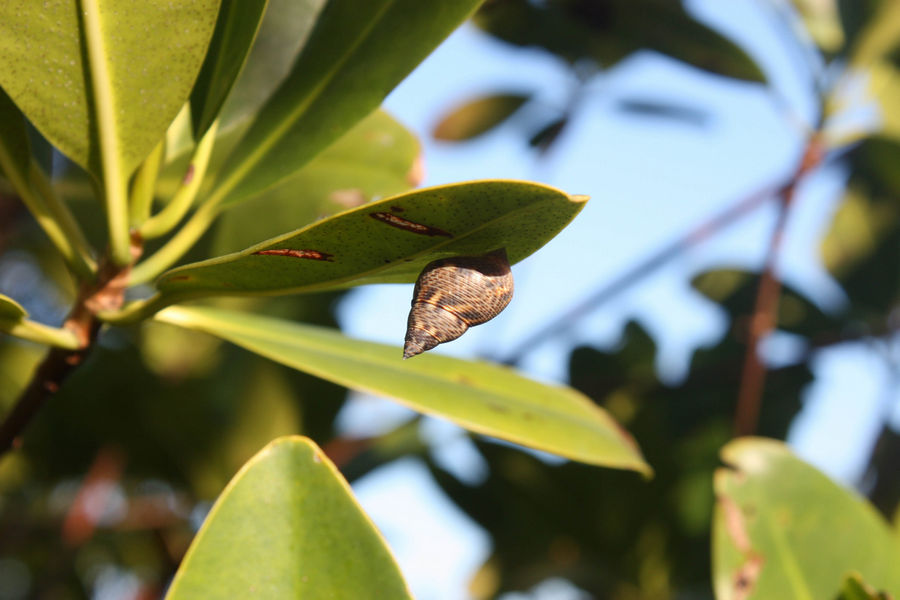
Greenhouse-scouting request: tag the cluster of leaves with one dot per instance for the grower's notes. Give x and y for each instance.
(252, 119)
(614, 537)
(125, 170)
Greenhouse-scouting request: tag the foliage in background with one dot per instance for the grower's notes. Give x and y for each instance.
(253, 129)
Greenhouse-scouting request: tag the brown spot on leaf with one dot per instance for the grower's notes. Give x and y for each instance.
(308, 254)
(396, 209)
(401, 223)
(188, 175)
(746, 576)
(735, 524)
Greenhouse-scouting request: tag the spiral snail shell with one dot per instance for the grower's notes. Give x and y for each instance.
(453, 294)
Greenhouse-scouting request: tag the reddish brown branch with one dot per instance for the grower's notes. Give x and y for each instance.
(765, 311)
(105, 293)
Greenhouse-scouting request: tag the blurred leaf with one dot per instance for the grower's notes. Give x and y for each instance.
(10, 310)
(607, 31)
(784, 530)
(544, 138)
(386, 242)
(884, 83)
(878, 32)
(478, 396)
(855, 16)
(377, 158)
(349, 64)
(652, 108)
(477, 116)
(44, 69)
(854, 588)
(736, 290)
(14, 146)
(235, 32)
(287, 526)
(862, 248)
(822, 22)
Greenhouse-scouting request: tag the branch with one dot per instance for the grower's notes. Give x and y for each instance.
(765, 311)
(567, 320)
(107, 293)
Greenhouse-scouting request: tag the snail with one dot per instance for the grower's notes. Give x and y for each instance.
(453, 294)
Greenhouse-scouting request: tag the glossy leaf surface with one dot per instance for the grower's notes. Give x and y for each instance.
(235, 31)
(388, 241)
(782, 529)
(287, 526)
(479, 396)
(376, 159)
(358, 51)
(44, 67)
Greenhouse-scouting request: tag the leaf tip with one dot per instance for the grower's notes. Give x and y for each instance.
(579, 198)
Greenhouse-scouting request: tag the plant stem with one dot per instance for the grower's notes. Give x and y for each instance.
(40, 333)
(114, 178)
(172, 214)
(145, 184)
(56, 222)
(60, 212)
(180, 243)
(765, 311)
(106, 293)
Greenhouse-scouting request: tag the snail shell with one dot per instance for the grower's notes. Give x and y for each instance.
(454, 294)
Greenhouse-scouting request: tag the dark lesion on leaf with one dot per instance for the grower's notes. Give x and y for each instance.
(307, 254)
(407, 225)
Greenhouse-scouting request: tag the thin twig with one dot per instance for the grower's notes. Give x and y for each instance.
(765, 310)
(567, 320)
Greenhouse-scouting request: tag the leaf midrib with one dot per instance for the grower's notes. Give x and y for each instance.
(358, 275)
(254, 157)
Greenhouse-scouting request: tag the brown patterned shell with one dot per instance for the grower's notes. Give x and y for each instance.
(454, 294)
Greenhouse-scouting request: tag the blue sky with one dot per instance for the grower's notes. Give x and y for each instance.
(650, 181)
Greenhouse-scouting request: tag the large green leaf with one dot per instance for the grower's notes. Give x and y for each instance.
(358, 51)
(287, 526)
(285, 29)
(479, 396)
(235, 31)
(784, 530)
(376, 159)
(386, 242)
(153, 50)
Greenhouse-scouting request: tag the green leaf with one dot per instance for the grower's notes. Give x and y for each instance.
(284, 30)
(376, 159)
(855, 588)
(823, 23)
(388, 241)
(479, 396)
(235, 31)
(784, 530)
(153, 50)
(477, 116)
(287, 526)
(358, 51)
(607, 32)
(15, 151)
(10, 310)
